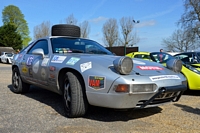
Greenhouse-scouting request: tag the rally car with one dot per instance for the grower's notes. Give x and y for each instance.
(85, 73)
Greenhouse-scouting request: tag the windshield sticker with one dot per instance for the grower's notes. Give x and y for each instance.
(58, 59)
(29, 61)
(85, 66)
(138, 62)
(163, 77)
(72, 61)
(45, 61)
(150, 68)
(96, 82)
(36, 67)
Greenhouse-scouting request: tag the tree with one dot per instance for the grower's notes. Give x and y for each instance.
(9, 36)
(180, 41)
(42, 30)
(128, 37)
(85, 29)
(12, 14)
(110, 32)
(190, 20)
(71, 20)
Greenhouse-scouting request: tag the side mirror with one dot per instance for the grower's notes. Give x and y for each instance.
(38, 51)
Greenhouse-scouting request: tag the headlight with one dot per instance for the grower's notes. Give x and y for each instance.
(123, 65)
(175, 65)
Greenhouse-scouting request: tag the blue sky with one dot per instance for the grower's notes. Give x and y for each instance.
(157, 18)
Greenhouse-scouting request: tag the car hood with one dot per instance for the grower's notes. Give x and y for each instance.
(140, 67)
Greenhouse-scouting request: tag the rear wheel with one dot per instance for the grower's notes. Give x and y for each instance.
(18, 86)
(74, 97)
(7, 61)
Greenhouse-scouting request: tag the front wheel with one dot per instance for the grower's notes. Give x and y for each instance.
(18, 86)
(75, 101)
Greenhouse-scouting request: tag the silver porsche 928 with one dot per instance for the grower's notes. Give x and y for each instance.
(85, 73)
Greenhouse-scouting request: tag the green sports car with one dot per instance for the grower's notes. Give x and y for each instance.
(191, 73)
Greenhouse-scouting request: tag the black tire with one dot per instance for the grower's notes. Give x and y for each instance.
(7, 61)
(65, 30)
(18, 86)
(74, 96)
(0, 60)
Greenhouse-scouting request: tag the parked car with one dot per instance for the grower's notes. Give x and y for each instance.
(85, 73)
(6, 57)
(189, 71)
(192, 58)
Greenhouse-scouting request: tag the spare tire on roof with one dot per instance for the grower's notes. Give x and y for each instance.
(65, 30)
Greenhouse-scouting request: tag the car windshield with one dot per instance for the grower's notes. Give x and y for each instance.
(161, 57)
(77, 45)
(189, 58)
(9, 54)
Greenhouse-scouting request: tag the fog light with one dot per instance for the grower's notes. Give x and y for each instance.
(143, 88)
(122, 88)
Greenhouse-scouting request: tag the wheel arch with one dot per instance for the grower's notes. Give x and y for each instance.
(62, 73)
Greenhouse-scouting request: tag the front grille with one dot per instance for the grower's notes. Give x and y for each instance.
(162, 98)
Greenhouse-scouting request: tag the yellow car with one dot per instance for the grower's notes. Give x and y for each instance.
(191, 73)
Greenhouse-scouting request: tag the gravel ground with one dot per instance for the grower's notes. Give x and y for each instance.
(42, 111)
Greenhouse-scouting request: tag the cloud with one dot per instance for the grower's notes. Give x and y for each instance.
(99, 19)
(162, 13)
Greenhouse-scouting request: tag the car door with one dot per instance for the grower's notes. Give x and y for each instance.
(37, 65)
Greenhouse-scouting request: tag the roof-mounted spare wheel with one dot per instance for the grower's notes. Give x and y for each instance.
(65, 30)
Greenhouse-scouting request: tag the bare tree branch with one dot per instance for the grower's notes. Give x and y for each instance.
(85, 29)
(110, 32)
(71, 20)
(180, 41)
(128, 37)
(42, 30)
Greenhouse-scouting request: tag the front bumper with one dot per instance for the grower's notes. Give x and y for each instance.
(164, 94)
(136, 100)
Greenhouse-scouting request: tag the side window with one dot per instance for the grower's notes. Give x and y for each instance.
(43, 44)
(138, 56)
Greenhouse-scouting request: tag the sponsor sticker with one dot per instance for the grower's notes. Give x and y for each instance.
(36, 67)
(58, 59)
(43, 73)
(29, 61)
(45, 61)
(24, 69)
(163, 77)
(52, 68)
(85, 66)
(150, 68)
(30, 72)
(72, 61)
(96, 82)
